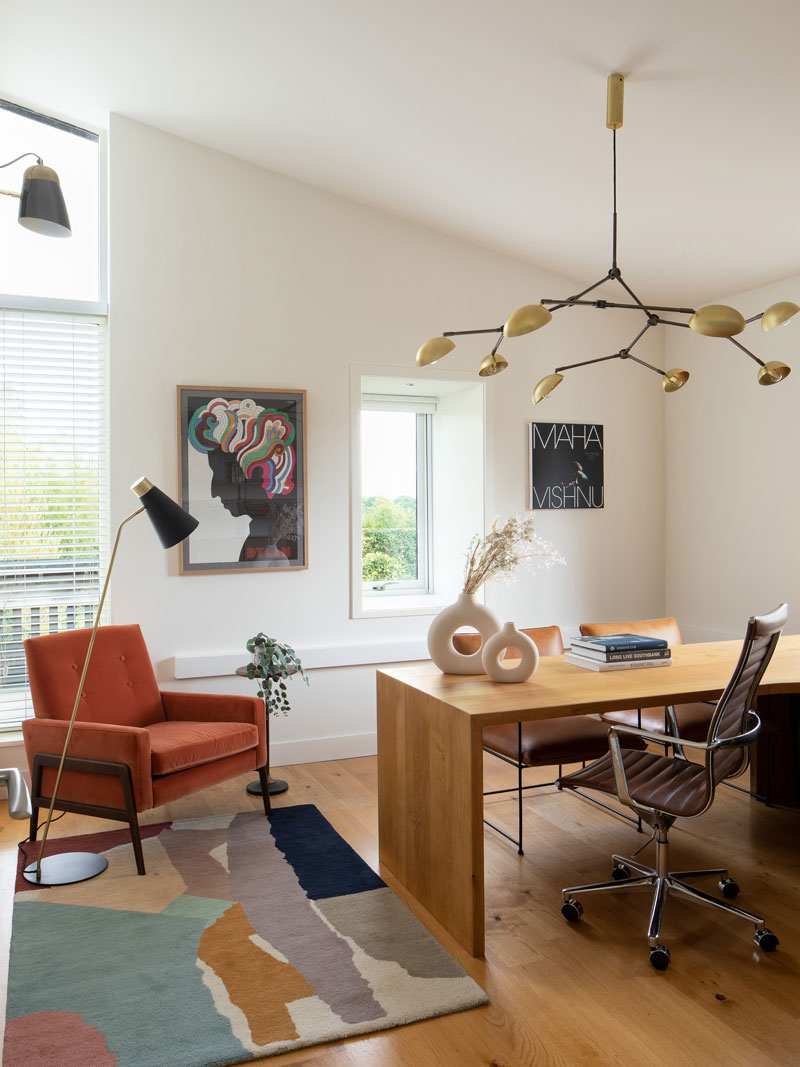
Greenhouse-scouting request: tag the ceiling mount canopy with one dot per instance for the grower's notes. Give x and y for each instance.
(714, 320)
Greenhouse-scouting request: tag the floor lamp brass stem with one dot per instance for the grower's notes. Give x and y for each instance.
(78, 694)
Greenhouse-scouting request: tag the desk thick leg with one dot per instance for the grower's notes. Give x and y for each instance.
(430, 781)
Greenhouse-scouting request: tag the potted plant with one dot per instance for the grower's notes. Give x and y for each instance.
(272, 663)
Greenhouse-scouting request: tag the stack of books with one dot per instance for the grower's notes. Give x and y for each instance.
(618, 652)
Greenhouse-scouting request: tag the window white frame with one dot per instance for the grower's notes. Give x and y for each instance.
(405, 602)
(16, 705)
(425, 409)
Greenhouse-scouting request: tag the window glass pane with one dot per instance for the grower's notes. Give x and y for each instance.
(52, 267)
(389, 506)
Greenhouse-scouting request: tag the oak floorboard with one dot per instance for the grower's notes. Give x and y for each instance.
(564, 995)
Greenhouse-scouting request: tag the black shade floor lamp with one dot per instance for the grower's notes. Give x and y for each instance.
(172, 525)
(41, 202)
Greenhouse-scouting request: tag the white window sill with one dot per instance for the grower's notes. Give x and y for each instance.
(378, 607)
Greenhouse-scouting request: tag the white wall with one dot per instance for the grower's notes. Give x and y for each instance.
(225, 274)
(733, 509)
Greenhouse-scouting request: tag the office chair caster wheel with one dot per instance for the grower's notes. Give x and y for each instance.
(659, 957)
(572, 910)
(729, 888)
(766, 940)
(620, 872)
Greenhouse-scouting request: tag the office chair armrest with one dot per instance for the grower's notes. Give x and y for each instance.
(618, 764)
(706, 746)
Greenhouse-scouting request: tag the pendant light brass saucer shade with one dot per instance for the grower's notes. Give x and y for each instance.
(714, 320)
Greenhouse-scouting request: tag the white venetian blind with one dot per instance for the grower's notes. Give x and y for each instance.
(53, 485)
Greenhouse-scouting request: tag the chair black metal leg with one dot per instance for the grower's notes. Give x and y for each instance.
(519, 790)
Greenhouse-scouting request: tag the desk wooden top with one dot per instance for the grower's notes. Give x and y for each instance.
(697, 672)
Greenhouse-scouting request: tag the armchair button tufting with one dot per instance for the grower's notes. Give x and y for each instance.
(74, 666)
(122, 659)
(129, 684)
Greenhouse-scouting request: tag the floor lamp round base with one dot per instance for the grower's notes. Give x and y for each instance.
(66, 868)
(276, 785)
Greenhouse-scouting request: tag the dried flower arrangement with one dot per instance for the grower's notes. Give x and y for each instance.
(497, 555)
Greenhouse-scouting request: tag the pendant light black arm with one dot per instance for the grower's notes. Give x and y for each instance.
(587, 362)
(760, 362)
(573, 300)
(614, 304)
(463, 333)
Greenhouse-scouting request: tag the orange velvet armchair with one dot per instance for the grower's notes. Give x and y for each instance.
(133, 747)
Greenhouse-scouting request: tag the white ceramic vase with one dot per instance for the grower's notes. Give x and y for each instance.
(467, 611)
(494, 649)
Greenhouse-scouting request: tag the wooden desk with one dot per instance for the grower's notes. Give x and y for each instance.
(430, 762)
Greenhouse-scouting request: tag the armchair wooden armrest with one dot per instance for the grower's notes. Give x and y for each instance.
(97, 741)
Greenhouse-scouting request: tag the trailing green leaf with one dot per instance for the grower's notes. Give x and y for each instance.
(272, 663)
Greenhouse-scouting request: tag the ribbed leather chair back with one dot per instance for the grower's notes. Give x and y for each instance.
(730, 715)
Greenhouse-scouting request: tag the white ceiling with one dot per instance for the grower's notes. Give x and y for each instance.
(485, 121)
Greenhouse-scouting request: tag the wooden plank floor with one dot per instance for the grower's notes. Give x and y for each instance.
(566, 995)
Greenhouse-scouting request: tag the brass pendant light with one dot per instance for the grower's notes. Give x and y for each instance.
(714, 320)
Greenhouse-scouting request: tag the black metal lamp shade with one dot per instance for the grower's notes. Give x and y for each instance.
(41, 205)
(170, 521)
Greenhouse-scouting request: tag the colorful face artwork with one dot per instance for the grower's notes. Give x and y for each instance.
(260, 439)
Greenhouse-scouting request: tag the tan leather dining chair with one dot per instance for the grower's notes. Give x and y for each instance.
(693, 719)
(661, 789)
(545, 743)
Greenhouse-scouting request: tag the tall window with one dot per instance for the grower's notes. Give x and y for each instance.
(417, 489)
(53, 441)
(395, 494)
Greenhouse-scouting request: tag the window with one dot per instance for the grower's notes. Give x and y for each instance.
(53, 440)
(396, 437)
(37, 271)
(417, 489)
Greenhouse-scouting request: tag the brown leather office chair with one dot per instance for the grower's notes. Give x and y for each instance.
(693, 719)
(545, 743)
(662, 789)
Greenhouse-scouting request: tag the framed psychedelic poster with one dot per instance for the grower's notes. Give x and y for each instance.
(566, 465)
(243, 476)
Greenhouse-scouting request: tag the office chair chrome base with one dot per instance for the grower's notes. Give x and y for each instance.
(628, 873)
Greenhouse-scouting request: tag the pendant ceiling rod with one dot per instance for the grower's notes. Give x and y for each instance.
(613, 234)
(714, 320)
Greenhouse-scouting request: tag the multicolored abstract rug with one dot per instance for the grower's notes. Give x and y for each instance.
(247, 937)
